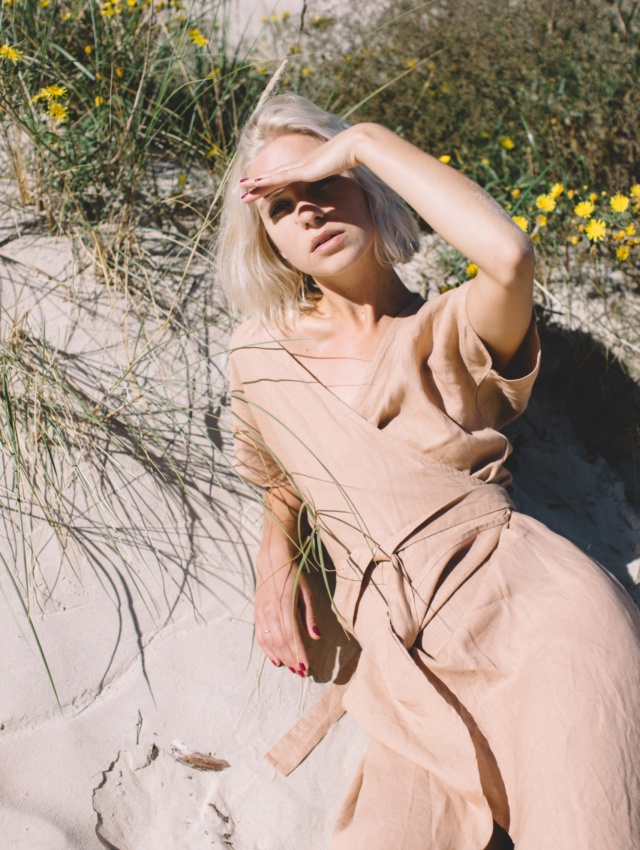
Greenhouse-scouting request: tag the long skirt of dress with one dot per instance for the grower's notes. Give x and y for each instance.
(541, 648)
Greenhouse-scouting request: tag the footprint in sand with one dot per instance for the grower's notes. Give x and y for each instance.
(149, 801)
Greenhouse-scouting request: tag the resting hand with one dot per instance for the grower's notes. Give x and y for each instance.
(283, 603)
(328, 158)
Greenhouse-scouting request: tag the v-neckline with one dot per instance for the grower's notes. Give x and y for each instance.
(381, 348)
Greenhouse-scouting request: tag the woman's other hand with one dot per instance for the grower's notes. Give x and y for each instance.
(283, 610)
(283, 601)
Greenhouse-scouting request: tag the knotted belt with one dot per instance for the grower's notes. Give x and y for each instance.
(413, 597)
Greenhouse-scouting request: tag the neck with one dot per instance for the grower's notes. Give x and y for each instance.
(365, 297)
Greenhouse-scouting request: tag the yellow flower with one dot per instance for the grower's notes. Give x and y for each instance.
(584, 209)
(630, 229)
(541, 220)
(596, 230)
(619, 235)
(485, 161)
(306, 71)
(131, 2)
(622, 253)
(214, 151)
(411, 63)
(64, 17)
(593, 197)
(50, 93)
(546, 203)
(43, 4)
(445, 158)
(535, 238)
(557, 189)
(58, 111)
(119, 73)
(507, 143)
(182, 179)
(570, 194)
(10, 53)
(619, 203)
(197, 38)
(575, 239)
(88, 50)
(472, 270)
(98, 100)
(635, 191)
(515, 193)
(522, 222)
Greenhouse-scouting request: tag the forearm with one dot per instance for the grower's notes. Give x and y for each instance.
(454, 206)
(280, 544)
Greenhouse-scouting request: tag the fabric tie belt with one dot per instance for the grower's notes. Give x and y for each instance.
(412, 586)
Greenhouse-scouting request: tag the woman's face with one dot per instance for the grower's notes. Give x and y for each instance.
(323, 229)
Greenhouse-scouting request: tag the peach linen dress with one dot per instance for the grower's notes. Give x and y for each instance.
(499, 673)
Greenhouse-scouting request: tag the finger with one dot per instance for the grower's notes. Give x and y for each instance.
(307, 612)
(296, 654)
(282, 644)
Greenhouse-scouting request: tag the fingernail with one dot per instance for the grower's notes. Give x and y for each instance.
(244, 196)
(303, 667)
(292, 670)
(300, 673)
(316, 631)
(257, 179)
(275, 663)
(244, 179)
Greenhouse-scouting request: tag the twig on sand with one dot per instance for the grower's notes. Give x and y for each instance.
(184, 754)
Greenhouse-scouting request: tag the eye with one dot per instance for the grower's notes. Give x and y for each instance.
(278, 208)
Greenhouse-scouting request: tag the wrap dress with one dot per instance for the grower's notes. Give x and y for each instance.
(499, 672)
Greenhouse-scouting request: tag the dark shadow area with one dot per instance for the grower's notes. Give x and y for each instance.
(583, 381)
(576, 450)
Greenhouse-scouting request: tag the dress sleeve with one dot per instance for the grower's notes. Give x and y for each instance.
(252, 459)
(463, 363)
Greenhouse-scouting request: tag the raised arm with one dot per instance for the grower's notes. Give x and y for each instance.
(500, 297)
(283, 596)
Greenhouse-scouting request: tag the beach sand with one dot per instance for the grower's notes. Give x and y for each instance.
(139, 579)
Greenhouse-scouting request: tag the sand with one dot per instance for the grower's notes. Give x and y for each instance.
(139, 579)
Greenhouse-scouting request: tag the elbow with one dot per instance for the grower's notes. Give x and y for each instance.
(517, 262)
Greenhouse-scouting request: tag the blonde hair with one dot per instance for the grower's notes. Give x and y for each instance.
(257, 281)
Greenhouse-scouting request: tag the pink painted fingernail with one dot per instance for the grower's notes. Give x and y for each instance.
(257, 179)
(303, 667)
(292, 670)
(275, 663)
(244, 196)
(316, 631)
(244, 179)
(300, 673)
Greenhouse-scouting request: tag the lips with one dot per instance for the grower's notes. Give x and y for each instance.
(322, 237)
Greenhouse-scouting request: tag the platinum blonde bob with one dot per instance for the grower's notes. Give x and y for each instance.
(257, 282)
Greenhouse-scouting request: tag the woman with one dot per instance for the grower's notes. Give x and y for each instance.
(500, 667)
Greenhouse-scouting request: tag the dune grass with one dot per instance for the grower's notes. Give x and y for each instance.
(119, 120)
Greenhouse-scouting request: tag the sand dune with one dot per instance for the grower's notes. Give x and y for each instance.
(139, 579)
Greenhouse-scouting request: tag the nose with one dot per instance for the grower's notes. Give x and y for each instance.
(309, 214)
